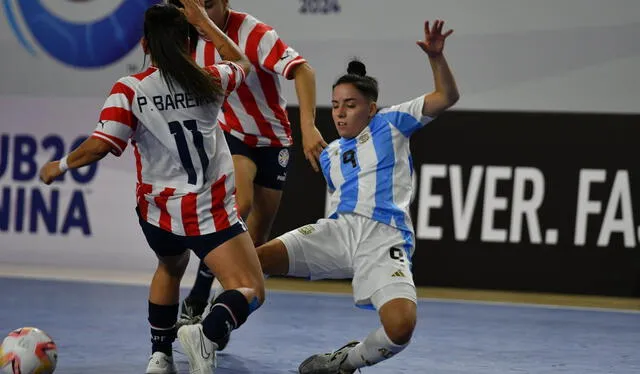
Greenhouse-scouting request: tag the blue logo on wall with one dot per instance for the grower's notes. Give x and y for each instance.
(85, 45)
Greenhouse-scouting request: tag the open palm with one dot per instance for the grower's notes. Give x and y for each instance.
(433, 42)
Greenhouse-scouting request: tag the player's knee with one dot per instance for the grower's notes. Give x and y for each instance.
(244, 205)
(260, 295)
(263, 257)
(273, 257)
(173, 266)
(255, 296)
(400, 330)
(398, 318)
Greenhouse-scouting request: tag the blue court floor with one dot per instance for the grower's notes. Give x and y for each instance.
(102, 329)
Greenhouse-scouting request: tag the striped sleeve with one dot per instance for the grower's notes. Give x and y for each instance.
(325, 165)
(274, 54)
(406, 117)
(230, 74)
(117, 122)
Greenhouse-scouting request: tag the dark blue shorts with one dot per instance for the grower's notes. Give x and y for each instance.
(165, 243)
(272, 163)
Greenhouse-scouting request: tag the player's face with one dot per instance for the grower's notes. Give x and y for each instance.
(352, 111)
(217, 11)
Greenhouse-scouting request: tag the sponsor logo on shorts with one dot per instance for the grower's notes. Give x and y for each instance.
(283, 157)
(398, 273)
(306, 230)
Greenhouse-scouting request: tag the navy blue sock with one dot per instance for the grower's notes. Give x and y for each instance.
(202, 286)
(230, 310)
(162, 319)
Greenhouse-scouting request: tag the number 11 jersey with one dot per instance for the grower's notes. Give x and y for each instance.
(185, 181)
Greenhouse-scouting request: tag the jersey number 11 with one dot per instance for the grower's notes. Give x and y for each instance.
(177, 130)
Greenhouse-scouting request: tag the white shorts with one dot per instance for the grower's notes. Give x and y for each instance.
(371, 253)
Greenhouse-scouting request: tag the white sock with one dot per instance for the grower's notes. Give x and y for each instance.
(375, 348)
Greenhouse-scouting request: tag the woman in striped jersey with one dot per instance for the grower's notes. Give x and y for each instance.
(369, 237)
(257, 127)
(185, 189)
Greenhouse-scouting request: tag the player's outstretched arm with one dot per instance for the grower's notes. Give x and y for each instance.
(446, 91)
(90, 151)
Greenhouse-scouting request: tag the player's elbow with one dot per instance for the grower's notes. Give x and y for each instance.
(304, 70)
(245, 64)
(97, 148)
(449, 97)
(453, 96)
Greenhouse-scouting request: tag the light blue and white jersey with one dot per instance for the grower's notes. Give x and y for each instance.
(371, 174)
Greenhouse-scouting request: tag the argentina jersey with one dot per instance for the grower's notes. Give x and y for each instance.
(371, 174)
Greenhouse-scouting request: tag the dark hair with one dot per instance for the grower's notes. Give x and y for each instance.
(193, 32)
(166, 30)
(357, 75)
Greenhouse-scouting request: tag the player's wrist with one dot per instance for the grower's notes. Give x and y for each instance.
(63, 164)
(307, 126)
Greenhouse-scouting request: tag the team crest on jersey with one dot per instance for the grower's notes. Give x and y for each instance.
(306, 230)
(283, 157)
(363, 138)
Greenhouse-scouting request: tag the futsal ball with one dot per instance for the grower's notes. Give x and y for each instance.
(28, 351)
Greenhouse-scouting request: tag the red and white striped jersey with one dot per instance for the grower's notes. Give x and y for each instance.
(185, 173)
(256, 112)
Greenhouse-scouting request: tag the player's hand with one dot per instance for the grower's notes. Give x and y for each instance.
(312, 144)
(50, 171)
(194, 11)
(433, 42)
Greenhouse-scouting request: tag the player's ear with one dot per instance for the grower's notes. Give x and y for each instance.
(145, 45)
(373, 109)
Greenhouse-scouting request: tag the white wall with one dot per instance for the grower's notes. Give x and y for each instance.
(547, 55)
(544, 55)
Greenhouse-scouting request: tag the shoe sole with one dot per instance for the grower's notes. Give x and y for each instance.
(197, 364)
(305, 362)
(172, 370)
(161, 372)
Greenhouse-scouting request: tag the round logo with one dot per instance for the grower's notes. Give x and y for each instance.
(283, 157)
(79, 43)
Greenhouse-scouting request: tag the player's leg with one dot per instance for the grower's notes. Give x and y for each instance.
(265, 208)
(397, 309)
(396, 305)
(382, 281)
(272, 166)
(268, 182)
(164, 295)
(316, 251)
(245, 171)
(234, 261)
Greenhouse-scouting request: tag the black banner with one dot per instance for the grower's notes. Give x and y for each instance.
(541, 202)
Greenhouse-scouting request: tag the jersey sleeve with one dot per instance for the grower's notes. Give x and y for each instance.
(407, 117)
(274, 54)
(117, 122)
(230, 74)
(325, 165)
